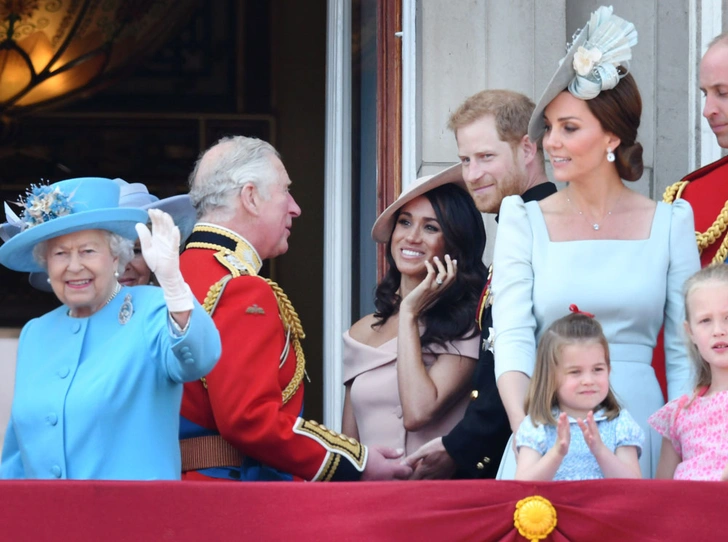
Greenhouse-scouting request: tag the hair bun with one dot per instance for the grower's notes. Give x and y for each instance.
(629, 161)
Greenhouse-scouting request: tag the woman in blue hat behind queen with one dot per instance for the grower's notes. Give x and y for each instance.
(595, 243)
(98, 380)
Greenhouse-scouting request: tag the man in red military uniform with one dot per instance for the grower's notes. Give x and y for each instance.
(707, 188)
(243, 420)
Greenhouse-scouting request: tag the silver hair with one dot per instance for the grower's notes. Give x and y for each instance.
(120, 247)
(247, 160)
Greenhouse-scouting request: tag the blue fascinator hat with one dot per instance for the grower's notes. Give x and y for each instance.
(178, 207)
(49, 211)
(596, 60)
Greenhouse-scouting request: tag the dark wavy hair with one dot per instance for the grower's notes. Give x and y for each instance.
(453, 315)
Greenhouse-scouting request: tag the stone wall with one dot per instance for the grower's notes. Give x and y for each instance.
(475, 44)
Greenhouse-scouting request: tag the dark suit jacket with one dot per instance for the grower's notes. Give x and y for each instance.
(478, 441)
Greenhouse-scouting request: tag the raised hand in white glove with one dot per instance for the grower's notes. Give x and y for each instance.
(161, 252)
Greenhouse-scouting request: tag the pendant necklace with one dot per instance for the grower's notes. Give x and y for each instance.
(594, 224)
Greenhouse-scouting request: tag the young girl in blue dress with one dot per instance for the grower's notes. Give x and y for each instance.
(575, 428)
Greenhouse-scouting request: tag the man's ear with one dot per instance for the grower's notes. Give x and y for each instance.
(528, 148)
(250, 199)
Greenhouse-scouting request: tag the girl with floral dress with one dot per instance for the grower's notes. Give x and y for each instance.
(695, 427)
(575, 428)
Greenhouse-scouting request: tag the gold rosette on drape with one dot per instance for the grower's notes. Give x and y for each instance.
(535, 518)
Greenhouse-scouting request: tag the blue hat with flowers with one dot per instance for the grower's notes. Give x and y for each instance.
(87, 203)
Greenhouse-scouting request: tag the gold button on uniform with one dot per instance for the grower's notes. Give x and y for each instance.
(486, 460)
(480, 466)
(473, 395)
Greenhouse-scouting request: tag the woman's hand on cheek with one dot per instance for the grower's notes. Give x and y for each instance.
(439, 277)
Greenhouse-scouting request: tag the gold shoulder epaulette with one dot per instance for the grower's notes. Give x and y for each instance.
(674, 191)
(232, 251)
(713, 233)
(232, 263)
(213, 294)
(336, 445)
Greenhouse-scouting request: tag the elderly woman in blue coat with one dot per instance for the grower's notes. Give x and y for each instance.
(98, 380)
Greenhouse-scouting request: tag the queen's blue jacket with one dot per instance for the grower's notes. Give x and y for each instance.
(99, 397)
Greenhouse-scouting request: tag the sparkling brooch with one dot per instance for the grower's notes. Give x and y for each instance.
(126, 311)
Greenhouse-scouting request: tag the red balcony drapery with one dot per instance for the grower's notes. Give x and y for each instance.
(603, 510)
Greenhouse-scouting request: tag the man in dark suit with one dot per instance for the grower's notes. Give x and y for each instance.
(498, 160)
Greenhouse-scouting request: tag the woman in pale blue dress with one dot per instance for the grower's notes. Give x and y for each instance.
(596, 243)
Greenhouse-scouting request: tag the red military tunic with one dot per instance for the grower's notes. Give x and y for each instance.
(706, 189)
(254, 395)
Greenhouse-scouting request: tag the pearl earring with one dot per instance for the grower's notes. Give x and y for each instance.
(48, 280)
(610, 155)
(116, 274)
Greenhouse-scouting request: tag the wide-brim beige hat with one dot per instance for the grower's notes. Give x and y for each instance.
(382, 230)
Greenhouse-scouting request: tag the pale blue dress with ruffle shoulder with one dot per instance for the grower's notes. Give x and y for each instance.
(579, 463)
(633, 287)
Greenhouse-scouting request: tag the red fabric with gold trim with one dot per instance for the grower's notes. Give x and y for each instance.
(453, 511)
(243, 399)
(707, 194)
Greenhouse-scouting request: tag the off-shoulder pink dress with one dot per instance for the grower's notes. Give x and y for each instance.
(698, 430)
(372, 373)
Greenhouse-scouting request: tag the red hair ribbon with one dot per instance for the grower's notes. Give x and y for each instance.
(573, 308)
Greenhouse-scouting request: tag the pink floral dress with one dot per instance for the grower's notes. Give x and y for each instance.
(698, 430)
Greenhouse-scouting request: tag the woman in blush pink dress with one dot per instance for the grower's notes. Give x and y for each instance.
(407, 366)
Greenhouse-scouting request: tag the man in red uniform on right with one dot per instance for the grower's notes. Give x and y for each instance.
(707, 188)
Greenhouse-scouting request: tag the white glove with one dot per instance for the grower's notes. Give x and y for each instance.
(161, 252)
